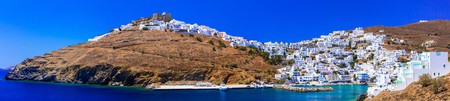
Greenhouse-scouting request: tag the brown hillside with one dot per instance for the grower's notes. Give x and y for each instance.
(418, 33)
(417, 92)
(140, 58)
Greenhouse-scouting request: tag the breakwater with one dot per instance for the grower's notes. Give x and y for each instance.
(301, 89)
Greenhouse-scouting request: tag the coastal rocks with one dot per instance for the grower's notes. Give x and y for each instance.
(300, 89)
(362, 97)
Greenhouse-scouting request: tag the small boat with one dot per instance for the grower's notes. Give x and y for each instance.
(223, 87)
(255, 85)
(263, 86)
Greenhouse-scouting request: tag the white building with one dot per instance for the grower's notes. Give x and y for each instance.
(433, 63)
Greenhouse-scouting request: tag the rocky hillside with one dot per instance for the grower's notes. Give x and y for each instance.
(417, 91)
(417, 36)
(140, 58)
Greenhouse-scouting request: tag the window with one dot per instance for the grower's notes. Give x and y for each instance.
(444, 66)
(434, 74)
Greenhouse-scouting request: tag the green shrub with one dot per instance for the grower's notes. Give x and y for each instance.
(145, 28)
(252, 51)
(142, 52)
(438, 83)
(214, 48)
(181, 35)
(234, 65)
(211, 42)
(112, 30)
(242, 48)
(222, 44)
(191, 35)
(425, 80)
(279, 81)
(199, 39)
(275, 60)
(115, 47)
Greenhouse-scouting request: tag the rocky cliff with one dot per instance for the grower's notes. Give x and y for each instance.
(140, 58)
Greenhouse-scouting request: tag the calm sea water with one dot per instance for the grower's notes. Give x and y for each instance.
(38, 91)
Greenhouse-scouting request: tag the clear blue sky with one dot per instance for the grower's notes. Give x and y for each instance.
(33, 27)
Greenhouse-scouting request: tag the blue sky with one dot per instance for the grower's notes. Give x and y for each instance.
(33, 27)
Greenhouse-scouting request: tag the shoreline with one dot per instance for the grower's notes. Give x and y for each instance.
(303, 89)
(193, 87)
(318, 85)
(173, 87)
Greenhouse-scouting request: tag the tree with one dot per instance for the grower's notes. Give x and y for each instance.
(317, 71)
(373, 79)
(289, 77)
(335, 72)
(372, 56)
(342, 66)
(352, 64)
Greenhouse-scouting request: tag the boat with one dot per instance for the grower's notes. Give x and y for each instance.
(255, 85)
(223, 87)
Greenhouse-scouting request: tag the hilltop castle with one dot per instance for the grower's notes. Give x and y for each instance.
(166, 17)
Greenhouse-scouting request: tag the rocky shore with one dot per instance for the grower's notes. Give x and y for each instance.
(301, 89)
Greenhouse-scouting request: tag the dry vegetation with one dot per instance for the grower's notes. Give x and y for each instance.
(426, 89)
(416, 34)
(151, 57)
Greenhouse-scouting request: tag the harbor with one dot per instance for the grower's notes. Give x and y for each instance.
(303, 89)
(193, 87)
(206, 86)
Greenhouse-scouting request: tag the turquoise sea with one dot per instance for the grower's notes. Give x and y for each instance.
(39, 91)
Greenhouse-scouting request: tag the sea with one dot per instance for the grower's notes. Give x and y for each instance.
(43, 91)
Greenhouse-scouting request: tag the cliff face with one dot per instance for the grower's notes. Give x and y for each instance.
(140, 58)
(417, 92)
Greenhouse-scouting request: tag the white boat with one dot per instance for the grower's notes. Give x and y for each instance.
(223, 87)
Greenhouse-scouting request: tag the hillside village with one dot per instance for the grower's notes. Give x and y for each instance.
(341, 57)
